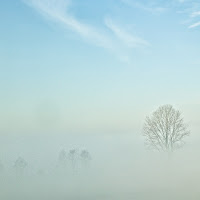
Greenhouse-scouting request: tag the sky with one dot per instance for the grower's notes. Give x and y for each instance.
(96, 67)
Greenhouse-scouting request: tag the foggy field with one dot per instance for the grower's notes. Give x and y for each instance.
(99, 99)
(122, 172)
(129, 186)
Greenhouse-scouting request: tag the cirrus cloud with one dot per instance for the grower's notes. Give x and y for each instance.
(111, 37)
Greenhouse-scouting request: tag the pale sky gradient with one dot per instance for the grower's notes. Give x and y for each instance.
(97, 67)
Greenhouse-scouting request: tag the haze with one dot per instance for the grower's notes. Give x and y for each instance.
(77, 80)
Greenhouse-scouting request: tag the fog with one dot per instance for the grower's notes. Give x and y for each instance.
(96, 167)
(88, 89)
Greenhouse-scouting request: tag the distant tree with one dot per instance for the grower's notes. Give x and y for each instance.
(40, 172)
(1, 168)
(20, 165)
(165, 129)
(85, 158)
(62, 158)
(62, 162)
(73, 156)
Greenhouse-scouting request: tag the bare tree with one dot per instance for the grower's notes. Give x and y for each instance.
(1, 168)
(72, 156)
(62, 162)
(62, 157)
(85, 158)
(20, 165)
(165, 129)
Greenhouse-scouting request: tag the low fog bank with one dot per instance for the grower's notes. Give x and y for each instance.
(99, 169)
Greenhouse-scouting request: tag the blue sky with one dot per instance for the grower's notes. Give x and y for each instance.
(96, 66)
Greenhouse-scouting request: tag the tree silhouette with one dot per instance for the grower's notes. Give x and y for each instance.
(20, 165)
(62, 158)
(73, 156)
(85, 158)
(165, 129)
(1, 167)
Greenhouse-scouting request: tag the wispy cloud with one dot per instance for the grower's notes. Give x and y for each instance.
(195, 25)
(189, 9)
(195, 14)
(151, 7)
(59, 12)
(128, 39)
